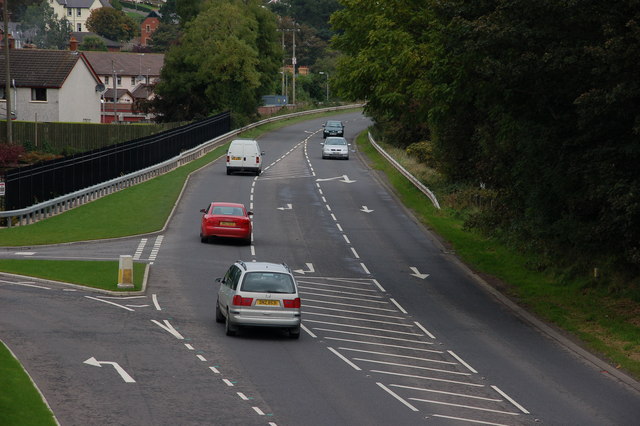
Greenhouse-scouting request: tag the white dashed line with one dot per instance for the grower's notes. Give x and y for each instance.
(201, 358)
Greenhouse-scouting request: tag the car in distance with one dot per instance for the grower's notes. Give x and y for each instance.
(334, 147)
(332, 128)
(258, 294)
(228, 220)
(244, 155)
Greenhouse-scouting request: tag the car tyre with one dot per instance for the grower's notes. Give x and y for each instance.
(294, 332)
(228, 172)
(219, 316)
(228, 328)
(203, 239)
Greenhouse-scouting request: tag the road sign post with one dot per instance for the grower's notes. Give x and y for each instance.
(125, 272)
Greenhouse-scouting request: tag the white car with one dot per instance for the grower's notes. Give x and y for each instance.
(335, 147)
(258, 294)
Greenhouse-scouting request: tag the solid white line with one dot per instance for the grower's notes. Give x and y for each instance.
(154, 297)
(428, 378)
(317, 285)
(462, 362)
(379, 286)
(259, 411)
(399, 356)
(341, 291)
(367, 335)
(168, 327)
(189, 346)
(357, 319)
(111, 303)
(25, 285)
(228, 382)
(347, 311)
(398, 305)
(468, 420)
(350, 305)
(395, 364)
(382, 302)
(471, 407)
(366, 271)
(518, 406)
(215, 370)
(446, 393)
(201, 358)
(355, 253)
(346, 238)
(308, 331)
(387, 345)
(425, 330)
(396, 396)
(364, 328)
(344, 359)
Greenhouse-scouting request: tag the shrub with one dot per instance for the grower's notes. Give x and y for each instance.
(423, 152)
(10, 154)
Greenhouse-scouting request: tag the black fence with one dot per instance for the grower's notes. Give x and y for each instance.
(26, 186)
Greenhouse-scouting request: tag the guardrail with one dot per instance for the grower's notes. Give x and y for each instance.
(426, 191)
(66, 202)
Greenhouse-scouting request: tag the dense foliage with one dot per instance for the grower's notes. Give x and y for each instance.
(226, 60)
(537, 101)
(42, 28)
(112, 24)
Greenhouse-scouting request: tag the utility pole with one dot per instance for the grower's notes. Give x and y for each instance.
(115, 93)
(7, 85)
(293, 62)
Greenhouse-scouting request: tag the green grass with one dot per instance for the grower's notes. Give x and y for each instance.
(95, 274)
(20, 402)
(607, 325)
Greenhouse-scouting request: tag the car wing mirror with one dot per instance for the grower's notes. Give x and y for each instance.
(262, 153)
(219, 280)
(203, 210)
(249, 213)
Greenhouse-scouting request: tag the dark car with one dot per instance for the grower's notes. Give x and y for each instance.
(333, 128)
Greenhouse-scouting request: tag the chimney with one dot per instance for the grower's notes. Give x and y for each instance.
(73, 44)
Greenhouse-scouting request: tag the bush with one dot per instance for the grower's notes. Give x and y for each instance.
(10, 154)
(423, 152)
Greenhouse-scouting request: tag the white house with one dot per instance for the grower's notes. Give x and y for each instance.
(51, 85)
(77, 11)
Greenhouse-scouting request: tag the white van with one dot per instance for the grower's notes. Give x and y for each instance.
(244, 155)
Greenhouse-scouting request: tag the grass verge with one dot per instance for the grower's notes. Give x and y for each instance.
(20, 402)
(607, 325)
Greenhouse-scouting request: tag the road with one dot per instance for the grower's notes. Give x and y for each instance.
(395, 331)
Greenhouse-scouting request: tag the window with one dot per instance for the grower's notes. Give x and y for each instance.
(38, 94)
(119, 81)
(133, 81)
(78, 11)
(69, 12)
(106, 79)
(2, 94)
(148, 28)
(79, 28)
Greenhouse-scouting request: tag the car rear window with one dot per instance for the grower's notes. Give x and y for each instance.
(267, 282)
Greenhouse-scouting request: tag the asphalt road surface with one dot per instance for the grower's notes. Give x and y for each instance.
(395, 331)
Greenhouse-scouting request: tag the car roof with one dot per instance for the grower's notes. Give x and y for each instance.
(225, 204)
(333, 138)
(264, 266)
(334, 123)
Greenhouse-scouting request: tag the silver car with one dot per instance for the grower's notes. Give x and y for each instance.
(258, 294)
(335, 147)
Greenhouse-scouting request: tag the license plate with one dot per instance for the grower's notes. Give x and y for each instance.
(236, 158)
(267, 302)
(227, 224)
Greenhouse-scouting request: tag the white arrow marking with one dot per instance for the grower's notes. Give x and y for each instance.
(365, 209)
(343, 178)
(125, 376)
(417, 273)
(168, 327)
(309, 266)
(288, 207)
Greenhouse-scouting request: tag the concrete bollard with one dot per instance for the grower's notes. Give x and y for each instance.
(125, 272)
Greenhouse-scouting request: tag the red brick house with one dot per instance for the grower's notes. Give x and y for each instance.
(148, 26)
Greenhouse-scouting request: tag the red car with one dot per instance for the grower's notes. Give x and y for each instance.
(226, 220)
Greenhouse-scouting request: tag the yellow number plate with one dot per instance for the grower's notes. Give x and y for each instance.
(227, 224)
(267, 302)
(236, 158)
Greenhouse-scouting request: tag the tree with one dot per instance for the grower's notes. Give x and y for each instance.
(44, 29)
(93, 43)
(314, 13)
(226, 59)
(112, 24)
(169, 12)
(165, 36)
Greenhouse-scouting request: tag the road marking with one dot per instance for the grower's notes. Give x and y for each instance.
(24, 253)
(309, 270)
(347, 304)
(228, 382)
(154, 297)
(125, 376)
(111, 303)
(379, 286)
(462, 395)
(462, 362)
(189, 346)
(339, 227)
(396, 396)
(357, 319)
(168, 327)
(355, 253)
(428, 378)
(471, 407)
(214, 369)
(346, 311)
(417, 273)
(348, 298)
(201, 358)
(343, 178)
(398, 305)
(344, 359)
(388, 345)
(140, 249)
(364, 328)
(342, 291)
(346, 239)
(395, 364)
(365, 209)
(366, 271)
(425, 331)
(518, 406)
(398, 356)
(156, 247)
(462, 419)
(25, 284)
(259, 411)
(242, 396)
(287, 207)
(308, 331)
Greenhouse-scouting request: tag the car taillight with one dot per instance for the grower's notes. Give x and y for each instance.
(257, 160)
(292, 303)
(242, 301)
(228, 158)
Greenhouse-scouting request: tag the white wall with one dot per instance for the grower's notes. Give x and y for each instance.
(79, 101)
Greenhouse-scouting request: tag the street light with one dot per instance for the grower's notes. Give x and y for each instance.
(327, 74)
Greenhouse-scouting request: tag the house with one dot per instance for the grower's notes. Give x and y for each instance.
(148, 27)
(77, 11)
(51, 85)
(130, 76)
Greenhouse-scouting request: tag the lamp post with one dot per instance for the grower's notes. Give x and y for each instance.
(327, 74)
